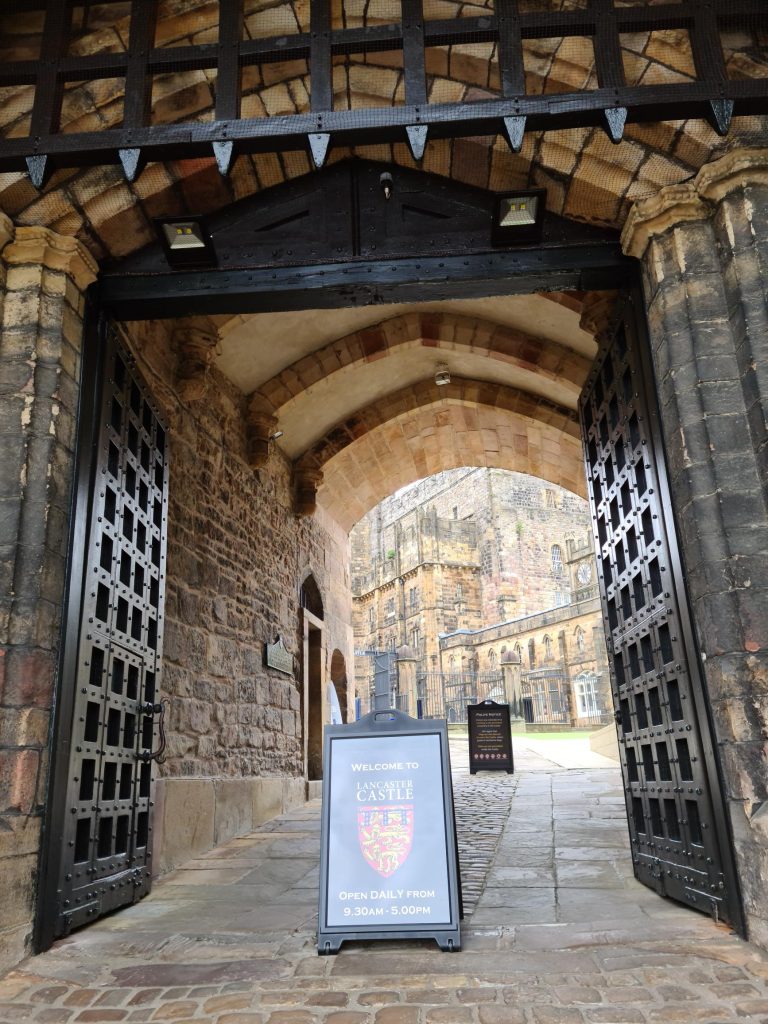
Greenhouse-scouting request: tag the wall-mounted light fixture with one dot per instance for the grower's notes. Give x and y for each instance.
(275, 435)
(187, 243)
(518, 217)
(442, 375)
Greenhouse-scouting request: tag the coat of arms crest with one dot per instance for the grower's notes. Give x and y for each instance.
(386, 836)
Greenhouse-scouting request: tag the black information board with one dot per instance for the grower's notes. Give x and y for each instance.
(490, 738)
(388, 858)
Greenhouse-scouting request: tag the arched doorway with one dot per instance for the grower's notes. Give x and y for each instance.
(339, 682)
(312, 614)
(364, 449)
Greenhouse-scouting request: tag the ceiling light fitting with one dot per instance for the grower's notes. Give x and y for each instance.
(187, 243)
(518, 217)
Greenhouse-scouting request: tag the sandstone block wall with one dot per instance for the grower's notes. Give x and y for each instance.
(705, 251)
(42, 280)
(237, 556)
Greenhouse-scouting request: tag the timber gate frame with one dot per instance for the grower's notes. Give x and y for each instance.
(713, 95)
(97, 847)
(679, 832)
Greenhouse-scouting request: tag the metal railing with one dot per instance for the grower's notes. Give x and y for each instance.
(447, 694)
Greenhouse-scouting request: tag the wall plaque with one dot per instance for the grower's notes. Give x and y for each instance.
(490, 738)
(388, 863)
(277, 656)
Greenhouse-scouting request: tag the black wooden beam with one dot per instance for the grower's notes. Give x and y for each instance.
(228, 65)
(511, 68)
(388, 124)
(709, 61)
(380, 38)
(47, 103)
(609, 63)
(320, 64)
(138, 85)
(607, 45)
(712, 96)
(414, 66)
(138, 82)
(581, 267)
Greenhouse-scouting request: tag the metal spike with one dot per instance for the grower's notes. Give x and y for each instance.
(615, 119)
(132, 163)
(39, 169)
(514, 129)
(318, 145)
(720, 114)
(417, 140)
(223, 152)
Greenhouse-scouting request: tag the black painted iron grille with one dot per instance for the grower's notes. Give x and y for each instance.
(680, 842)
(85, 84)
(107, 828)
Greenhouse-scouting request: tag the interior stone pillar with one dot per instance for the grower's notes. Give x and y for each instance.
(704, 253)
(41, 324)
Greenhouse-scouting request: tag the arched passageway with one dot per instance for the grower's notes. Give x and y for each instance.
(286, 430)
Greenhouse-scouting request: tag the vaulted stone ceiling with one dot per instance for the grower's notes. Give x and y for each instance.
(353, 394)
(353, 390)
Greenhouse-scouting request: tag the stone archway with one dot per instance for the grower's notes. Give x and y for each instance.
(339, 682)
(313, 698)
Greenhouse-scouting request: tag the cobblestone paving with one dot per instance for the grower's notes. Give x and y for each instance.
(482, 807)
(561, 934)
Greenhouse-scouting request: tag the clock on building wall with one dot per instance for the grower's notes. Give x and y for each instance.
(584, 573)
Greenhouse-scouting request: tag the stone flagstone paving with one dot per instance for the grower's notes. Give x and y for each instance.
(559, 933)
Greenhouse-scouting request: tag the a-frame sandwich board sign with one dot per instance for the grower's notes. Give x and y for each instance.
(388, 859)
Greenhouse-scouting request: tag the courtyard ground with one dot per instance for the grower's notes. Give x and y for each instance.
(557, 930)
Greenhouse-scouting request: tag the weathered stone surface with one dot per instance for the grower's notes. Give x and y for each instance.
(41, 311)
(707, 319)
(188, 825)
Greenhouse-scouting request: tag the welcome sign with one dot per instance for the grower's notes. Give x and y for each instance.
(388, 854)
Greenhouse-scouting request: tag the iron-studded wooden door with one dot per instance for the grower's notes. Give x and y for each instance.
(677, 821)
(110, 684)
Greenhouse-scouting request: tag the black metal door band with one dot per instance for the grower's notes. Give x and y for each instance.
(681, 843)
(100, 848)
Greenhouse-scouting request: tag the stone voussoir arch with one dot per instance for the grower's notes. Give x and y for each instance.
(436, 330)
(414, 425)
(427, 393)
(449, 434)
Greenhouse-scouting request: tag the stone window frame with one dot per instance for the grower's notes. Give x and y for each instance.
(549, 653)
(556, 554)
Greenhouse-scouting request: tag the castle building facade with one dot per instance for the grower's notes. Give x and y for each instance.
(479, 572)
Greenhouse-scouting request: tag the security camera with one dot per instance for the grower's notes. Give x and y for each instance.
(387, 185)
